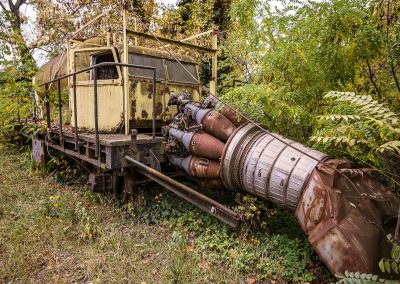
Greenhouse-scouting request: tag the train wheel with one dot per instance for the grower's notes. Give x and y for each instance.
(123, 185)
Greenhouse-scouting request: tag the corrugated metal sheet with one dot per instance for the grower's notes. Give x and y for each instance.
(262, 165)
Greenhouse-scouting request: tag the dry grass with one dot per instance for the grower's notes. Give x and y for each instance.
(62, 234)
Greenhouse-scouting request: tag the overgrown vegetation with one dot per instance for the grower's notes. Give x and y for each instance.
(52, 231)
(292, 56)
(322, 73)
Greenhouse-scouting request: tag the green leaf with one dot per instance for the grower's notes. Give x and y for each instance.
(387, 266)
(396, 253)
(395, 267)
(382, 265)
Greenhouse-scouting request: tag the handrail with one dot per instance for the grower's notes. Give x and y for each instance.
(99, 65)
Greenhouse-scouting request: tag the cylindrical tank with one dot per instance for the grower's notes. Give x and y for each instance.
(199, 144)
(214, 123)
(257, 162)
(55, 68)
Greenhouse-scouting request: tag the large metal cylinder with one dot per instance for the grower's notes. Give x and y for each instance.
(258, 163)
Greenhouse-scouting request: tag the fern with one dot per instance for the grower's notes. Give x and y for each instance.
(360, 278)
(366, 112)
(391, 146)
(367, 107)
(362, 128)
(338, 140)
(335, 117)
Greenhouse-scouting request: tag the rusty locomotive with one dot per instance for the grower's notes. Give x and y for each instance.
(138, 113)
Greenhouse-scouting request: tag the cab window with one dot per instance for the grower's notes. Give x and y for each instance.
(106, 72)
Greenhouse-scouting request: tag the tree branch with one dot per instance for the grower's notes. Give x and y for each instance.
(371, 77)
(2, 6)
(394, 75)
(19, 3)
(11, 5)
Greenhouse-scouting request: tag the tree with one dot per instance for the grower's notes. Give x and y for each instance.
(291, 56)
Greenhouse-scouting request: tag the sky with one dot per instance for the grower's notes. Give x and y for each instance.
(171, 2)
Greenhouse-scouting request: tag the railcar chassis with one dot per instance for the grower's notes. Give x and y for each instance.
(119, 158)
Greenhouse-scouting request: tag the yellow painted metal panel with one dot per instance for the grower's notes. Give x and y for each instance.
(110, 106)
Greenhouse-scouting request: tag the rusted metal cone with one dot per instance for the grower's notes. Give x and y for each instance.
(197, 167)
(235, 118)
(229, 113)
(199, 144)
(213, 122)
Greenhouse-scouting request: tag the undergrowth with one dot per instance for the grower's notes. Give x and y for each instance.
(176, 242)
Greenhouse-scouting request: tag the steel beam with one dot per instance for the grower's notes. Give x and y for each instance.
(208, 205)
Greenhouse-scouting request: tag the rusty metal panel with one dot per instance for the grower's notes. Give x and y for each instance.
(141, 100)
(109, 91)
(344, 218)
(100, 182)
(38, 151)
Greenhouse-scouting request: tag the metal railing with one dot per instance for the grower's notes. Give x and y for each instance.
(96, 115)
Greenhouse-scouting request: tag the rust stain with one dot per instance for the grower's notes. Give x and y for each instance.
(159, 108)
(236, 119)
(165, 91)
(218, 125)
(211, 183)
(149, 91)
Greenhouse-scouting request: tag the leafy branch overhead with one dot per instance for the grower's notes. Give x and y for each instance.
(358, 112)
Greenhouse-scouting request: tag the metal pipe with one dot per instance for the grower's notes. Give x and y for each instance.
(96, 116)
(46, 95)
(60, 112)
(75, 114)
(34, 107)
(125, 71)
(154, 104)
(171, 41)
(203, 202)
